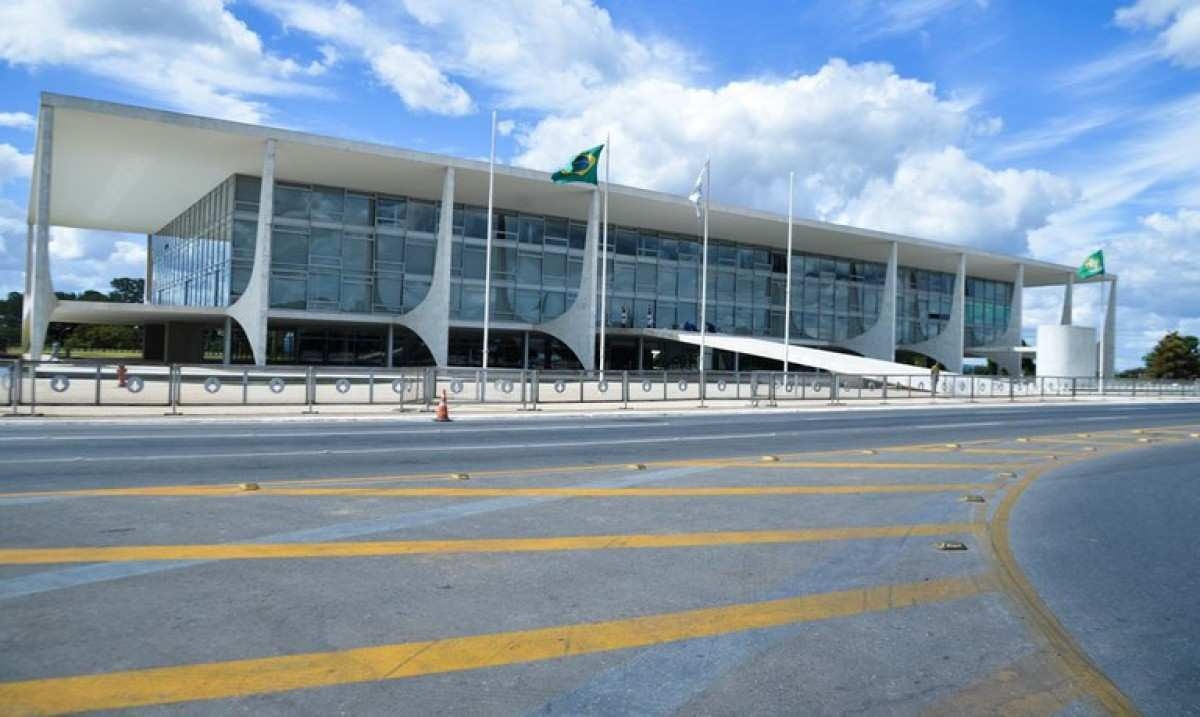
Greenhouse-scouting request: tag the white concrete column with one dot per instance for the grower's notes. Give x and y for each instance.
(39, 302)
(250, 310)
(879, 341)
(576, 327)
(430, 320)
(1068, 298)
(1108, 353)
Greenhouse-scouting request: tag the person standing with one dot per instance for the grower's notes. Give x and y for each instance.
(934, 374)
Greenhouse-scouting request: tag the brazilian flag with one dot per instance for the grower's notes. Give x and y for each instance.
(1092, 266)
(582, 168)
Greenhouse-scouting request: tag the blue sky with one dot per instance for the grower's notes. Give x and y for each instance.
(1045, 129)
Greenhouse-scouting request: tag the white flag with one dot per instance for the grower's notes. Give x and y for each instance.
(697, 194)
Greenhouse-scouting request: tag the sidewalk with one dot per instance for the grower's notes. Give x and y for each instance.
(476, 411)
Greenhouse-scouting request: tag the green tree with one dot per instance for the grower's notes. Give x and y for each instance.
(1174, 356)
(127, 290)
(10, 320)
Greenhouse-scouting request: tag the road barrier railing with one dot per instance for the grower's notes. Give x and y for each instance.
(106, 383)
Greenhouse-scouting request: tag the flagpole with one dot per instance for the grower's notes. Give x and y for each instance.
(704, 276)
(787, 288)
(604, 252)
(487, 262)
(1103, 331)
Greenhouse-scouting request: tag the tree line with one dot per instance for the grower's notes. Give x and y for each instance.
(122, 290)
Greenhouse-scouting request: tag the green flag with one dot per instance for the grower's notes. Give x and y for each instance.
(1092, 266)
(582, 168)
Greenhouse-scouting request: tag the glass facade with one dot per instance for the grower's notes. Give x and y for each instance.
(341, 250)
(537, 264)
(654, 281)
(190, 255)
(338, 250)
(989, 307)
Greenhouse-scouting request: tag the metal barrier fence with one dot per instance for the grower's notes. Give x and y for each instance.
(34, 383)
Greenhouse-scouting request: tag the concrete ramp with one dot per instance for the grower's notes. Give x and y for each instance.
(830, 361)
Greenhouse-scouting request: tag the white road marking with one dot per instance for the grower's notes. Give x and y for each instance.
(325, 434)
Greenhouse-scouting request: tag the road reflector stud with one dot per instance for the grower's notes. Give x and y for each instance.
(950, 545)
(1194, 435)
(1143, 440)
(1051, 457)
(867, 452)
(1088, 449)
(461, 476)
(973, 499)
(636, 466)
(1006, 474)
(1084, 435)
(769, 459)
(952, 445)
(1137, 431)
(248, 486)
(1022, 440)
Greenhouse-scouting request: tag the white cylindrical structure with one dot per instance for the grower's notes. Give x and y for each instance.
(1064, 350)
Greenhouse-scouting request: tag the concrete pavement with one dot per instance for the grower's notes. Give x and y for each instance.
(643, 564)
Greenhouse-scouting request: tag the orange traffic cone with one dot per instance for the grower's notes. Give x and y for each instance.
(443, 410)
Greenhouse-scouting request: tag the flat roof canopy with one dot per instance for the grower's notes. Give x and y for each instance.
(131, 169)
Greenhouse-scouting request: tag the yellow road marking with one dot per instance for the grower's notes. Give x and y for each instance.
(1029, 686)
(541, 492)
(239, 678)
(1061, 646)
(874, 466)
(250, 551)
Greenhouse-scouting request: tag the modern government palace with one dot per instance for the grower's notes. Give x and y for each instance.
(271, 246)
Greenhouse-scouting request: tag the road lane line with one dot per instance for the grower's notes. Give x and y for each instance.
(78, 575)
(876, 466)
(551, 492)
(394, 449)
(281, 551)
(260, 435)
(1061, 646)
(266, 675)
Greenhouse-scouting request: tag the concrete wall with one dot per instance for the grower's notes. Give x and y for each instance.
(1066, 350)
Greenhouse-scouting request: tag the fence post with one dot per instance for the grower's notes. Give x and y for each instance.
(98, 370)
(33, 367)
(1073, 380)
(310, 390)
(245, 386)
(173, 373)
(535, 389)
(833, 388)
(371, 387)
(625, 389)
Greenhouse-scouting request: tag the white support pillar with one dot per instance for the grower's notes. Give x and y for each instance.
(879, 341)
(250, 310)
(576, 327)
(1108, 350)
(430, 320)
(39, 302)
(1068, 292)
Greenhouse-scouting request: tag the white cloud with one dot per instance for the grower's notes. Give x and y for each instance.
(1179, 39)
(410, 73)
(19, 120)
(14, 164)
(946, 196)
(839, 128)
(540, 54)
(192, 54)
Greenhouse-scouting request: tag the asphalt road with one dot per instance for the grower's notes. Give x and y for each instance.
(630, 564)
